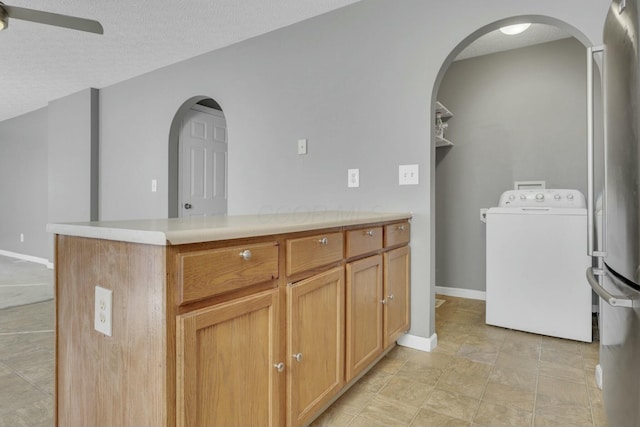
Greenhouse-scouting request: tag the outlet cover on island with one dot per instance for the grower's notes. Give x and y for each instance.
(353, 178)
(408, 175)
(103, 311)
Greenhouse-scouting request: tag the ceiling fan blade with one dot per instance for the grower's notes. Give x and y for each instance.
(55, 19)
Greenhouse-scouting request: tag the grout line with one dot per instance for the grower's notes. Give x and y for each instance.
(2, 334)
(26, 285)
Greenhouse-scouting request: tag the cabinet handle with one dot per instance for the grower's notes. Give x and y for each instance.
(298, 357)
(279, 366)
(246, 254)
(323, 241)
(400, 228)
(370, 233)
(390, 297)
(383, 301)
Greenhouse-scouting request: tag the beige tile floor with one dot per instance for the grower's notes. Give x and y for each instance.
(479, 375)
(27, 365)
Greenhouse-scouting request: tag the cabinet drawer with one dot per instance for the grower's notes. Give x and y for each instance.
(206, 273)
(397, 234)
(315, 251)
(363, 241)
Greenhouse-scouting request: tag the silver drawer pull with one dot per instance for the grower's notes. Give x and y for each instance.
(370, 233)
(400, 228)
(323, 241)
(298, 357)
(279, 366)
(246, 254)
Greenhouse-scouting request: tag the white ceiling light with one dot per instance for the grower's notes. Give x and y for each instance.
(514, 29)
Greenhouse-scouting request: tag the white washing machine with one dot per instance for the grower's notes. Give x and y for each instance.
(536, 263)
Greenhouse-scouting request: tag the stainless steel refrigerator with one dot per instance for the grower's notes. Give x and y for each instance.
(616, 247)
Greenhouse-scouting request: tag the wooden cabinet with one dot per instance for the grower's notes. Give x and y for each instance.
(377, 303)
(263, 330)
(226, 364)
(396, 294)
(315, 347)
(206, 273)
(311, 252)
(364, 314)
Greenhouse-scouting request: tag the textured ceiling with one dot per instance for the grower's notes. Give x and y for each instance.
(41, 63)
(496, 41)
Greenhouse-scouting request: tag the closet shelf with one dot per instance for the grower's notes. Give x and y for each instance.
(443, 114)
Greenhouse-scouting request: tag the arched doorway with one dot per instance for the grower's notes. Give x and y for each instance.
(437, 154)
(198, 159)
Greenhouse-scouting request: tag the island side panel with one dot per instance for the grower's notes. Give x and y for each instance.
(122, 379)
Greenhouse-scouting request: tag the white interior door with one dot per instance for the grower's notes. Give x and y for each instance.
(203, 163)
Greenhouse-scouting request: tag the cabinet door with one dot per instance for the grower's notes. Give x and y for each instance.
(226, 357)
(315, 343)
(364, 314)
(396, 294)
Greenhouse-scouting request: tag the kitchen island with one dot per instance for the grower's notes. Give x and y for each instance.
(235, 320)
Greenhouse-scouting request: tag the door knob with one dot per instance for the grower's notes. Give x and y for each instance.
(279, 366)
(298, 357)
(187, 206)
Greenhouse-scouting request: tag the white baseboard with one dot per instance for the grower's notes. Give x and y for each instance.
(419, 343)
(31, 258)
(461, 293)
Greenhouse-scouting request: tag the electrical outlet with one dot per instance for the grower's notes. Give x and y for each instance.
(302, 146)
(353, 178)
(408, 175)
(103, 311)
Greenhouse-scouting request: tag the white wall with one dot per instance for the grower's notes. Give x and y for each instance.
(23, 184)
(356, 82)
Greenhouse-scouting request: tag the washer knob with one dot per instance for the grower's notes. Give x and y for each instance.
(570, 196)
(523, 197)
(557, 197)
(539, 197)
(512, 197)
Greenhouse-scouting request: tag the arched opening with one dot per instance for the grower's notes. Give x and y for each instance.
(474, 181)
(198, 159)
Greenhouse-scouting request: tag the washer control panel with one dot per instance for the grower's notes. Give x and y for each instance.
(549, 198)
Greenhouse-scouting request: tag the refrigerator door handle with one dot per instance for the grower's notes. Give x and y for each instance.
(612, 300)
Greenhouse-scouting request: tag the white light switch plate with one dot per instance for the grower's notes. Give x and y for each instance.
(408, 175)
(103, 311)
(302, 146)
(353, 178)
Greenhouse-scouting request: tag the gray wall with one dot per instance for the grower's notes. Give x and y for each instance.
(23, 184)
(518, 115)
(73, 157)
(356, 82)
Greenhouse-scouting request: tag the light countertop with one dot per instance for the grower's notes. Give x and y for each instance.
(179, 231)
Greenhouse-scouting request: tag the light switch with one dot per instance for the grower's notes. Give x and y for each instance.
(154, 185)
(408, 175)
(302, 146)
(353, 178)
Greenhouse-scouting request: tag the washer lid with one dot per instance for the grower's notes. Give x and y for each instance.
(566, 199)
